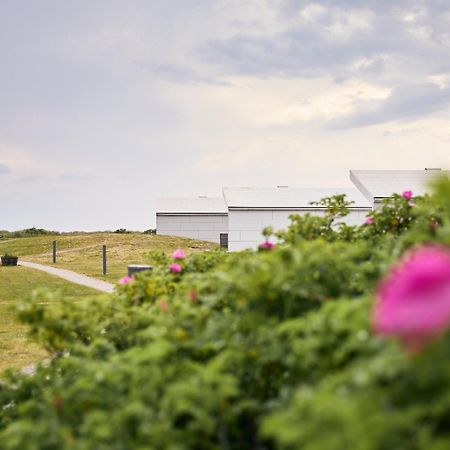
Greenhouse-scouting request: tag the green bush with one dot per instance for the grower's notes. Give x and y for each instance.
(250, 350)
(29, 232)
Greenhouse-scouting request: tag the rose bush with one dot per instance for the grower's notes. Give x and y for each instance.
(283, 348)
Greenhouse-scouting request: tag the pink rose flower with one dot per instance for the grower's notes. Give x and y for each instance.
(407, 195)
(369, 220)
(413, 302)
(266, 245)
(178, 254)
(176, 268)
(125, 280)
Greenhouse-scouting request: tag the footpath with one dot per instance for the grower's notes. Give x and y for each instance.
(74, 277)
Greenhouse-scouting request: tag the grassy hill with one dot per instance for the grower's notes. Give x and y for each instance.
(16, 350)
(79, 252)
(83, 252)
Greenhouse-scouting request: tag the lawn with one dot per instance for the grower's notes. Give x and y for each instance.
(83, 252)
(16, 350)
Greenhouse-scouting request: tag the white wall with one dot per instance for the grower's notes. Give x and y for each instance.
(245, 227)
(202, 227)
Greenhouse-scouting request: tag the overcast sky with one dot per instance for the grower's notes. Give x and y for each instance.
(107, 104)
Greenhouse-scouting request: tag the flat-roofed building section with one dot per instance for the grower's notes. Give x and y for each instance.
(202, 218)
(376, 185)
(252, 209)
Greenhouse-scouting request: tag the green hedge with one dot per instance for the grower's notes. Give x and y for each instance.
(252, 350)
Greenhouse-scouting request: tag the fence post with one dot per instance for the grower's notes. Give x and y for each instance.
(54, 252)
(104, 259)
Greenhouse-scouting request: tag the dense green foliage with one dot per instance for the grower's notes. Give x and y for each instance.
(252, 350)
(29, 232)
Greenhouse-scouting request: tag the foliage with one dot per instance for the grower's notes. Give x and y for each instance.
(326, 226)
(29, 232)
(251, 350)
(122, 231)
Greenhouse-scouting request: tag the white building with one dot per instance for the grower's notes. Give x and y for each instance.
(376, 185)
(237, 219)
(202, 218)
(252, 209)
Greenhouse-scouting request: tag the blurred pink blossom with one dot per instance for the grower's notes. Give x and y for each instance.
(407, 195)
(163, 305)
(266, 245)
(369, 220)
(193, 295)
(413, 302)
(178, 254)
(176, 268)
(411, 203)
(125, 280)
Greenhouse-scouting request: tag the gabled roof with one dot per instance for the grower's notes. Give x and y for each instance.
(286, 197)
(378, 184)
(192, 205)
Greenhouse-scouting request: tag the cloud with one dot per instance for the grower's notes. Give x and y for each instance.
(328, 37)
(142, 99)
(403, 46)
(406, 102)
(4, 169)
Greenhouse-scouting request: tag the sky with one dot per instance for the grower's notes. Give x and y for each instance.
(106, 105)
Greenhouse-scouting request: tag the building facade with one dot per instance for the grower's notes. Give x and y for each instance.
(236, 220)
(202, 218)
(252, 209)
(377, 185)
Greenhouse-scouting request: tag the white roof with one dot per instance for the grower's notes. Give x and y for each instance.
(287, 197)
(191, 205)
(376, 184)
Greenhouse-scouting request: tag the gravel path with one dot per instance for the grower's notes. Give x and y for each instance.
(74, 277)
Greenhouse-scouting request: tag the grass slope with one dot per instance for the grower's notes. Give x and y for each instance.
(16, 350)
(83, 252)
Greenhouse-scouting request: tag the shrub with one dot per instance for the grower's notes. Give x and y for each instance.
(29, 232)
(252, 350)
(121, 231)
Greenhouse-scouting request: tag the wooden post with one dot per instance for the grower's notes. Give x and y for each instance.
(54, 252)
(104, 259)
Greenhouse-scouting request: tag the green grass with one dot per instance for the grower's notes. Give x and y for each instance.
(16, 350)
(83, 252)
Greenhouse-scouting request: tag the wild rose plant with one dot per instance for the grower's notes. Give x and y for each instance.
(413, 302)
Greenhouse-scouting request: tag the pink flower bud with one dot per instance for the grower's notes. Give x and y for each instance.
(407, 195)
(125, 280)
(369, 220)
(178, 254)
(176, 268)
